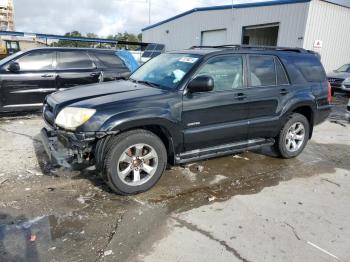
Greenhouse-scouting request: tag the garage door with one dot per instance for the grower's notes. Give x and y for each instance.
(214, 37)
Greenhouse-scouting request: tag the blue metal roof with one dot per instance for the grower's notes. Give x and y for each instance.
(223, 7)
(71, 38)
(60, 37)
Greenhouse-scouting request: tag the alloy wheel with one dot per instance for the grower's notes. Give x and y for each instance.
(137, 164)
(295, 137)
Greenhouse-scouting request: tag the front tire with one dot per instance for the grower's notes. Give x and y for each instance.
(134, 162)
(293, 136)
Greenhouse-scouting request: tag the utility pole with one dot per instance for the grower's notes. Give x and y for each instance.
(233, 21)
(149, 11)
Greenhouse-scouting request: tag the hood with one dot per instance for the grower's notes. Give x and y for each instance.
(338, 74)
(91, 96)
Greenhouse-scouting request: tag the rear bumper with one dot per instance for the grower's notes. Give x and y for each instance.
(74, 156)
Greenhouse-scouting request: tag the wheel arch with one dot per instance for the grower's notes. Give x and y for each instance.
(307, 108)
(308, 112)
(163, 133)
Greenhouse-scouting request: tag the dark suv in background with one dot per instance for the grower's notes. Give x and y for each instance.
(26, 78)
(186, 106)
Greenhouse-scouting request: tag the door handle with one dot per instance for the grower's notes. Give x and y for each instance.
(46, 75)
(284, 91)
(241, 96)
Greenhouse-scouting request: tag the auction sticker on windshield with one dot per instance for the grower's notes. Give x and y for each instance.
(188, 59)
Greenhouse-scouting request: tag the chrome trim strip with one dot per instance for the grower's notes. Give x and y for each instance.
(37, 90)
(24, 105)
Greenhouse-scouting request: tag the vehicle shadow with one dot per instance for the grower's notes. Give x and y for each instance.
(15, 244)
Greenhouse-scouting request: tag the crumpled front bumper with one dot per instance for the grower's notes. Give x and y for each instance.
(66, 151)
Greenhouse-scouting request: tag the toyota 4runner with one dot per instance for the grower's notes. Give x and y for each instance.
(186, 106)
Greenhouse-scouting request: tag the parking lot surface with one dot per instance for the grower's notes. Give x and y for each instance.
(247, 207)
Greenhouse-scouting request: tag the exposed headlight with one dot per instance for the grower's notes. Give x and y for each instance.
(347, 81)
(72, 117)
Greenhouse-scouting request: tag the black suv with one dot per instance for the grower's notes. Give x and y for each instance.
(26, 78)
(185, 106)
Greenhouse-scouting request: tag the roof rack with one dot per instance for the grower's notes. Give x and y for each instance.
(255, 47)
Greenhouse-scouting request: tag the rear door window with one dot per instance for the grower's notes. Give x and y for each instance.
(262, 71)
(74, 60)
(36, 61)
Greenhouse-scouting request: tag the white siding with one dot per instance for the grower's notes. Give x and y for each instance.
(331, 24)
(186, 31)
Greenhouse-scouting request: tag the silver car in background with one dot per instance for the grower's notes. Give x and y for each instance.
(340, 79)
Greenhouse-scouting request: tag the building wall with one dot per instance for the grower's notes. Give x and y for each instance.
(7, 15)
(331, 24)
(185, 31)
(27, 45)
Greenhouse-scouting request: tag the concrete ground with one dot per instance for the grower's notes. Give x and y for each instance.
(247, 207)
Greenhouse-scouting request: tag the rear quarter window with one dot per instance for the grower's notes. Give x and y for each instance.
(110, 60)
(304, 69)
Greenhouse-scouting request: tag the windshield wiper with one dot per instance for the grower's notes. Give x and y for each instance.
(147, 83)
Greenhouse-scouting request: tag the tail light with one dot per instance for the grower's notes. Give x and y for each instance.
(329, 97)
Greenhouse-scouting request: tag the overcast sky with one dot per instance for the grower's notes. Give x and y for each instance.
(102, 17)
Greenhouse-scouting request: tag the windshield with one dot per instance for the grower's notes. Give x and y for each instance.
(344, 68)
(165, 70)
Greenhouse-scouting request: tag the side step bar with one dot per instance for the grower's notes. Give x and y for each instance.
(222, 150)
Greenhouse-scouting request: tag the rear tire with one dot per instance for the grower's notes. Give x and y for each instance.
(293, 137)
(134, 162)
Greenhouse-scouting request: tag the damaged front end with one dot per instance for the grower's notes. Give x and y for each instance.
(68, 149)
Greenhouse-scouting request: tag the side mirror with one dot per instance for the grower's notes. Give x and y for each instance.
(201, 84)
(14, 67)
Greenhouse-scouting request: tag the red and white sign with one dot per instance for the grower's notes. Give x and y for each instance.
(318, 44)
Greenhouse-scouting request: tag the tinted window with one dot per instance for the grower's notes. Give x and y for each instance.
(262, 71)
(36, 61)
(110, 60)
(310, 67)
(282, 78)
(296, 77)
(227, 72)
(74, 60)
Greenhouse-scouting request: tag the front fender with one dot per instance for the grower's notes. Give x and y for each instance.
(166, 120)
